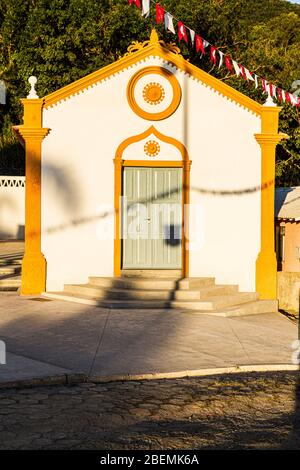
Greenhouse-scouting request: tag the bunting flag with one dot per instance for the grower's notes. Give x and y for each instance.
(213, 51)
(192, 36)
(221, 54)
(256, 80)
(145, 8)
(182, 32)
(228, 63)
(201, 45)
(279, 95)
(264, 85)
(169, 25)
(249, 75)
(160, 14)
(136, 2)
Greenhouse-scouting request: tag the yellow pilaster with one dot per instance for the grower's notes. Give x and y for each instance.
(34, 263)
(266, 264)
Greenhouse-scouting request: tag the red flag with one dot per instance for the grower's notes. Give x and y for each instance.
(228, 63)
(213, 50)
(182, 32)
(160, 14)
(287, 97)
(279, 94)
(199, 44)
(136, 2)
(242, 72)
(264, 85)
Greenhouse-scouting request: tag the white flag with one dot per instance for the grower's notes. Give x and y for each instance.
(248, 75)
(256, 80)
(169, 22)
(145, 8)
(192, 34)
(221, 58)
(205, 43)
(236, 68)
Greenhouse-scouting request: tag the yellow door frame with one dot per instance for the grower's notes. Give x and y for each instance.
(119, 163)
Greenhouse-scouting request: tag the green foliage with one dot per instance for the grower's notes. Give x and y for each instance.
(60, 41)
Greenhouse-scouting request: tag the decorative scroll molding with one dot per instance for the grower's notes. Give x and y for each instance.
(12, 181)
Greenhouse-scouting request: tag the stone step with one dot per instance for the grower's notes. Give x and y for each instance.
(205, 292)
(10, 283)
(131, 294)
(115, 299)
(248, 308)
(10, 261)
(216, 302)
(9, 269)
(152, 274)
(150, 284)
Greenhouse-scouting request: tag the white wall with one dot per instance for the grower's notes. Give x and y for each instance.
(78, 179)
(12, 207)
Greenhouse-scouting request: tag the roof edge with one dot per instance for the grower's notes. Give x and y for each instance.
(138, 52)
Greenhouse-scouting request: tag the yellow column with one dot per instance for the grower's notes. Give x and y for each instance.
(266, 263)
(34, 263)
(117, 240)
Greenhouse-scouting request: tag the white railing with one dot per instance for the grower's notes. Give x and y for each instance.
(12, 207)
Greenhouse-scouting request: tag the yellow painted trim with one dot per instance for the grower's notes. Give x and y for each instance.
(185, 163)
(159, 135)
(155, 48)
(154, 116)
(266, 263)
(155, 163)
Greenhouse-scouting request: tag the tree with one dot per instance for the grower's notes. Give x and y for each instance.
(60, 41)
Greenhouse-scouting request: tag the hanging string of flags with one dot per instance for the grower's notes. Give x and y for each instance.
(219, 59)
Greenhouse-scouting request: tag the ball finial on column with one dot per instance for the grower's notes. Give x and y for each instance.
(32, 94)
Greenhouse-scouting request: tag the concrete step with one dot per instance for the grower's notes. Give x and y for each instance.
(107, 303)
(248, 308)
(216, 302)
(152, 273)
(10, 283)
(150, 284)
(9, 269)
(10, 261)
(132, 294)
(205, 292)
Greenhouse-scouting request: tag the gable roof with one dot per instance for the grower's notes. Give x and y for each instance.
(138, 52)
(287, 203)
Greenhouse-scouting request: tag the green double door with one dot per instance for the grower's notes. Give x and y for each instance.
(152, 218)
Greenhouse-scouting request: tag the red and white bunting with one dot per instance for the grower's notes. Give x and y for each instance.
(201, 45)
(160, 14)
(169, 25)
(136, 3)
(182, 34)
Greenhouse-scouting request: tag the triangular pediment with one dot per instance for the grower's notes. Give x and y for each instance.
(138, 52)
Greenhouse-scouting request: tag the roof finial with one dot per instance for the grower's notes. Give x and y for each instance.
(269, 101)
(32, 94)
(153, 36)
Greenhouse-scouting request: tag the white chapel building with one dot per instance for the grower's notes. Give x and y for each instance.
(150, 168)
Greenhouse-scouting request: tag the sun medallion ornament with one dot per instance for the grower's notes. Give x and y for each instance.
(153, 93)
(152, 148)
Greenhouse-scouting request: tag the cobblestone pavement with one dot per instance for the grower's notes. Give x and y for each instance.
(251, 411)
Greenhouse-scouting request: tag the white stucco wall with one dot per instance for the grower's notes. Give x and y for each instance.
(12, 207)
(78, 179)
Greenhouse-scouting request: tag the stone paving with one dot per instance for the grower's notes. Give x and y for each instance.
(251, 411)
(102, 342)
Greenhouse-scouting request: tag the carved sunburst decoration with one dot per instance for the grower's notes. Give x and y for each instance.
(153, 93)
(151, 148)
